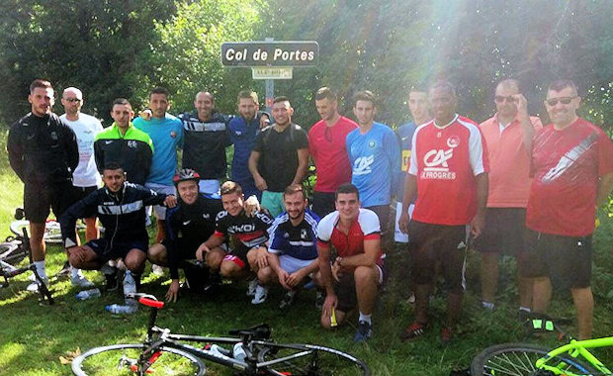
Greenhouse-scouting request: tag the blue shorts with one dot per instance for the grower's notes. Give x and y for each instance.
(110, 251)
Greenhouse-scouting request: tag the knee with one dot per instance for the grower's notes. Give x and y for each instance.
(214, 259)
(265, 275)
(157, 255)
(365, 274)
(227, 269)
(135, 261)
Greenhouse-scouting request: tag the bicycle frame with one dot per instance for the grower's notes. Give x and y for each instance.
(577, 349)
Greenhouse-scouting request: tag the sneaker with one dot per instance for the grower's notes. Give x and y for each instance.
(157, 270)
(288, 300)
(112, 280)
(261, 293)
(446, 335)
(413, 331)
(363, 333)
(65, 270)
(320, 298)
(411, 299)
(33, 287)
(81, 281)
(253, 284)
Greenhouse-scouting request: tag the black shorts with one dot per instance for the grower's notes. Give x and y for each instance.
(107, 251)
(383, 212)
(185, 252)
(324, 203)
(430, 244)
(503, 232)
(38, 198)
(346, 293)
(566, 260)
(82, 192)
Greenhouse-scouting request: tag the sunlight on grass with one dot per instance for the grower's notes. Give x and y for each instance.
(10, 352)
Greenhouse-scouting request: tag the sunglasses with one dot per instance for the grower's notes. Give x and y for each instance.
(501, 99)
(566, 100)
(72, 100)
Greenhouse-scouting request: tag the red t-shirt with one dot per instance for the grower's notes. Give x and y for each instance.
(445, 162)
(566, 166)
(327, 147)
(366, 227)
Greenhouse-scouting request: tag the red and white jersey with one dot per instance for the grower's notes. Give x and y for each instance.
(445, 161)
(366, 227)
(566, 166)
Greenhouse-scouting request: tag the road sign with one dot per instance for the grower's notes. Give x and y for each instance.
(270, 54)
(271, 73)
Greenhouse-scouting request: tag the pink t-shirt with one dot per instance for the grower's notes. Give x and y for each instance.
(327, 147)
(445, 162)
(509, 176)
(566, 167)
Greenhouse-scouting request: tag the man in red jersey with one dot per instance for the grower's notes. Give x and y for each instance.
(448, 173)
(572, 169)
(506, 134)
(328, 151)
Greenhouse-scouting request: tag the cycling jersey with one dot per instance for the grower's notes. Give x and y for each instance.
(246, 232)
(188, 226)
(132, 151)
(299, 242)
(204, 147)
(42, 149)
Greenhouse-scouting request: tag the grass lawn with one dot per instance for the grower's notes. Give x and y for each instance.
(33, 337)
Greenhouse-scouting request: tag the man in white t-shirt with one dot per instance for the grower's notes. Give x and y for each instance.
(86, 178)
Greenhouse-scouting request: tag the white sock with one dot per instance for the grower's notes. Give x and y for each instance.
(525, 309)
(487, 305)
(40, 268)
(366, 318)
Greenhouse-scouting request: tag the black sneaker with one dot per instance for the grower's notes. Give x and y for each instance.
(363, 333)
(112, 281)
(320, 298)
(287, 301)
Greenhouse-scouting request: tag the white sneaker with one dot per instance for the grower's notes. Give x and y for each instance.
(261, 293)
(157, 270)
(81, 281)
(33, 287)
(253, 284)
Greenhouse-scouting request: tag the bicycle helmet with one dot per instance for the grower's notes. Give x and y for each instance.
(185, 174)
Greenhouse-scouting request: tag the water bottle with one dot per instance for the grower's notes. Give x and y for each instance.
(238, 352)
(220, 351)
(88, 294)
(119, 309)
(129, 287)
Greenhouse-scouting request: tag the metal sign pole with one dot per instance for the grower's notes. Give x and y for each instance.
(270, 88)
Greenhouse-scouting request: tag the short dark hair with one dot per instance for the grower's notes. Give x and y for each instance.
(445, 85)
(159, 90)
(248, 94)
(559, 85)
(346, 188)
(365, 95)
(280, 99)
(121, 101)
(230, 187)
(294, 188)
(325, 93)
(39, 82)
(113, 166)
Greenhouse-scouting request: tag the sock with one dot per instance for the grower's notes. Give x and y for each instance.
(525, 309)
(365, 318)
(487, 305)
(40, 268)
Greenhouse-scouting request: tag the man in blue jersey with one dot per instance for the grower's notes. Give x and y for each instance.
(292, 250)
(166, 132)
(375, 157)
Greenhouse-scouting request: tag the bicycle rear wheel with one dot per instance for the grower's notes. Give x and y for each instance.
(11, 252)
(308, 360)
(118, 359)
(519, 359)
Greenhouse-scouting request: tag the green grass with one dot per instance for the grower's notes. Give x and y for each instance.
(33, 337)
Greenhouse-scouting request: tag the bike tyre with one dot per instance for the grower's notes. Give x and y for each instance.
(12, 252)
(519, 359)
(81, 361)
(333, 362)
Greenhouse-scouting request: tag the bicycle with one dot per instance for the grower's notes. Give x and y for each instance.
(164, 352)
(12, 252)
(53, 231)
(571, 359)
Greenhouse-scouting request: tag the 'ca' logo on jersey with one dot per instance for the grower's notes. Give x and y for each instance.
(436, 160)
(361, 166)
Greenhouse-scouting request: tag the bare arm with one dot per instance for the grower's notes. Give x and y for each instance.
(368, 258)
(410, 190)
(303, 165)
(527, 128)
(254, 158)
(477, 223)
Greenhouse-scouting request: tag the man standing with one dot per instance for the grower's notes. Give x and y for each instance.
(572, 169)
(329, 151)
(206, 139)
(280, 156)
(354, 277)
(292, 250)
(420, 112)
(166, 132)
(124, 145)
(506, 135)
(448, 174)
(243, 131)
(43, 152)
(375, 157)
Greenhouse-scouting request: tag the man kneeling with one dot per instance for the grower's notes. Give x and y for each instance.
(120, 206)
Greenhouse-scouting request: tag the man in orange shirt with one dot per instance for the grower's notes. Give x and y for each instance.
(508, 135)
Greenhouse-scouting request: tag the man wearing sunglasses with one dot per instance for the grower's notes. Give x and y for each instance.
(506, 134)
(572, 169)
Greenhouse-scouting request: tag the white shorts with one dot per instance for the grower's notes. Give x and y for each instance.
(160, 211)
(399, 236)
(291, 264)
(209, 186)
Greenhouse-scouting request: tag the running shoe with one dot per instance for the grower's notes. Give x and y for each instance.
(261, 293)
(413, 331)
(253, 284)
(446, 335)
(288, 300)
(320, 298)
(363, 333)
(33, 287)
(80, 281)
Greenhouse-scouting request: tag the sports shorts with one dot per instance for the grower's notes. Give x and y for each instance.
(273, 201)
(503, 232)
(291, 264)
(399, 236)
(566, 260)
(430, 244)
(346, 293)
(238, 255)
(383, 212)
(106, 250)
(38, 199)
(160, 211)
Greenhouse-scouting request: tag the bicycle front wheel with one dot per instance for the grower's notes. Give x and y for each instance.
(124, 359)
(519, 359)
(311, 360)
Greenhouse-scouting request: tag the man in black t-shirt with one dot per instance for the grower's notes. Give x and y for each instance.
(248, 235)
(280, 156)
